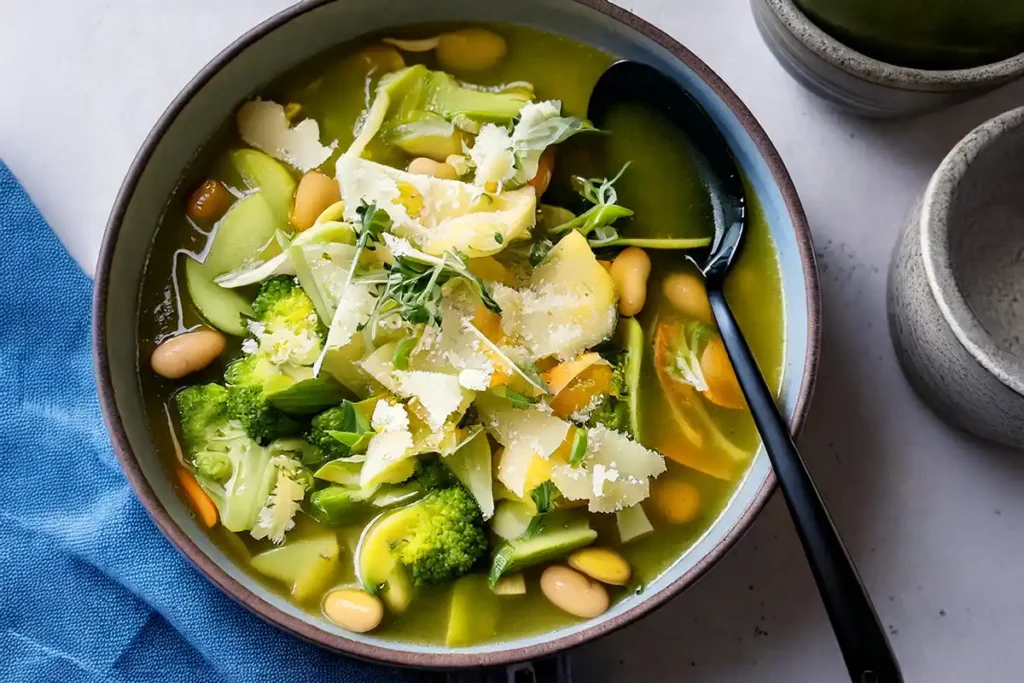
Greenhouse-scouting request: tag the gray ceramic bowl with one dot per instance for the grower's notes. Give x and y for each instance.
(860, 84)
(956, 285)
(265, 53)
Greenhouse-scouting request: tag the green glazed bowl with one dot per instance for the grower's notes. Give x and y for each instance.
(882, 59)
(924, 34)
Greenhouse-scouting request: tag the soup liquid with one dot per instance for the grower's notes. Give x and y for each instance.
(663, 187)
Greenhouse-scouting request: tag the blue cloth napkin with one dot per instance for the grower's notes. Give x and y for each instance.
(89, 588)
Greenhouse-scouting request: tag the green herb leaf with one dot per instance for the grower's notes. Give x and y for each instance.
(499, 238)
(543, 496)
(579, 447)
(539, 251)
(373, 221)
(351, 439)
(517, 399)
(400, 358)
(601, 193)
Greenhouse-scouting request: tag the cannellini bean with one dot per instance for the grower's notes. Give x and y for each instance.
(630, 271)
(425, 166)
(354, 610)
(470, 49)
(382, 58)
(573, 592)
(678, 501)
(187, 353)
(686, 293)
(316, 192)
(602, 564)
(209, 202)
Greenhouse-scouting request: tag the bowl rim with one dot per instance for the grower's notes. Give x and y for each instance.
(395, 655)
(860, 65)
(937, 208)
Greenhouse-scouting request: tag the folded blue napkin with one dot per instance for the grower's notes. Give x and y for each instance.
(89, 588)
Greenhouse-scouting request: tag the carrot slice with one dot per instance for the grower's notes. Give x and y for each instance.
(200, 502)
(560, 376)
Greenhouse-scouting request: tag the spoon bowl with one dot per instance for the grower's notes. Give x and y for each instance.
(865, 647)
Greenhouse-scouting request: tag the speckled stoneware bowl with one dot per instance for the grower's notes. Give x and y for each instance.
(265, 53)
(956, 285)
(860, 84)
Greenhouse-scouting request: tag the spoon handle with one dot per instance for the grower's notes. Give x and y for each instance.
(865, 648)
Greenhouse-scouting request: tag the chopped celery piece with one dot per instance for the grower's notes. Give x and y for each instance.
(514, 584)
(391, 495)
(632, 523)
(342, 471)
(471, 464)
(338, 504)
(284, 263)
(559, 538)
(511, 519)
(398, 591)
(474, 611)
(225, 309)
(439, 93)
(308, 396)
(424, 134)
(306, 562)
(262, 172)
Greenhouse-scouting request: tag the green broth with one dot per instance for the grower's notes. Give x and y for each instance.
(662, 185)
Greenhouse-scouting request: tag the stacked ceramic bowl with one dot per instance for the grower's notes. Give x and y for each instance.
(956, 282)
(887, 58)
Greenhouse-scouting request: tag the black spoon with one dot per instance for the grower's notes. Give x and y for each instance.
(865, 648)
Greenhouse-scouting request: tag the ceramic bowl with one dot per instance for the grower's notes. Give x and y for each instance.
(860, 84)
(956, 285)
(265, 53)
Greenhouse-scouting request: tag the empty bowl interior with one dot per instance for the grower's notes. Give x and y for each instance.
(986, 240)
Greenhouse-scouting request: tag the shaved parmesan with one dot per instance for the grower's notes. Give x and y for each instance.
(614, 474)
(263, 124)
(569, 306)
(354, 306)
(391, 444)
(492, 156)
(438, 215)
(439, 394)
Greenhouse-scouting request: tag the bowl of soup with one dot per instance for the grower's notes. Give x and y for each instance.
(407, 356)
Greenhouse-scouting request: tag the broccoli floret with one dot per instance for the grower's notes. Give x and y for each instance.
(215, 465)
(282, 302)
(234, 470)
(342, 418)
(433, 474)
(203, 409)
(446, 540)
(288, 338)
(260, 420)
(612, 413)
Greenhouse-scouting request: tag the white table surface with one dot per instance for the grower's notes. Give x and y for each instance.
(934, 519)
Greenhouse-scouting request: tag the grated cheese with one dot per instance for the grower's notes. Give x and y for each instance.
(263, 124)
